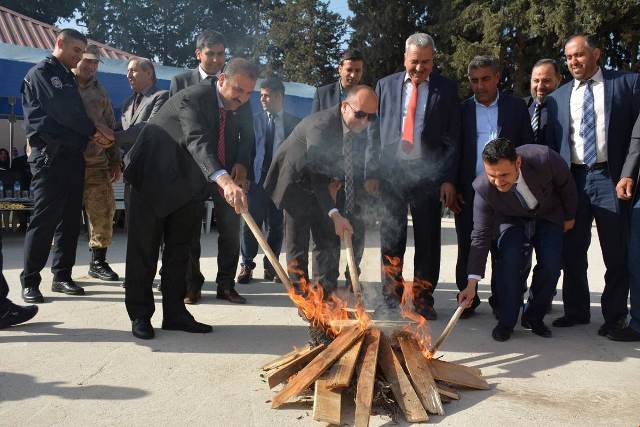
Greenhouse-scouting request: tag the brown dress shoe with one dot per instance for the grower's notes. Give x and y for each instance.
(231, 295)
(245, 275)
(192, 297)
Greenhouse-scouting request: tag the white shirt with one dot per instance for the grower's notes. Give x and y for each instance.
(575, 105)
(525, 192)
(204, 75)
(486, 128)
(418, 123)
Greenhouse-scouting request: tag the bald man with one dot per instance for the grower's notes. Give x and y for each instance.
(317, 178)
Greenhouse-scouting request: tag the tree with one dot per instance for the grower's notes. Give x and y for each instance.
(45, 11)
(302, 41)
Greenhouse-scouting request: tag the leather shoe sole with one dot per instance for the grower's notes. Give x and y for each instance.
(567, 322)
(538, 328)
(68, 288)
(32, 295)
(187, 326)
(141, 328)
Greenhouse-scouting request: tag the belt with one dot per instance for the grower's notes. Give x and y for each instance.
(594, 167)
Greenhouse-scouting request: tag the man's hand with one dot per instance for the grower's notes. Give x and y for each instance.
(569, 224)
(104, 136)
(341, 224)
(239, 176)
(334, 186)
(116, 172)
(233, 193)
(372, 186)
(466, 296)
(449, 197)
(624, 189)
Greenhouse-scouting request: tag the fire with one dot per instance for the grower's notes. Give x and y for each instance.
(420, 327)
(320, 310)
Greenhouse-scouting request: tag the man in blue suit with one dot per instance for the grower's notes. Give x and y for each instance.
(271, 126)
(487, 115)
(415, 141)
(592, 118)
(524, 196)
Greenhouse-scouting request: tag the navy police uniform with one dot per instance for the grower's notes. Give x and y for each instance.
(58, 130)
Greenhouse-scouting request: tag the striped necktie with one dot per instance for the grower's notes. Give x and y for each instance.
(535, 122)
(588, 126)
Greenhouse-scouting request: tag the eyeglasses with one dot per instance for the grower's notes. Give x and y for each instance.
(372, 117)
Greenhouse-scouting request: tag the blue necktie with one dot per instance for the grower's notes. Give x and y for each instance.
(588, 126)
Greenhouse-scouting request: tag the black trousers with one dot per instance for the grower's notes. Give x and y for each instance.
(422, 198)
(57, 186)
(195, 278)
(306, 219)
(4, 287)
(146, 232)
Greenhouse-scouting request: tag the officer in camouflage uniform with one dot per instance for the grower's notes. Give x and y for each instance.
(103, 166)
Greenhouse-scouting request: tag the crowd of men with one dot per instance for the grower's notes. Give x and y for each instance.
(520, 175)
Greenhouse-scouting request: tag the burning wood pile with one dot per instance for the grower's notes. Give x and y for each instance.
(364, 357)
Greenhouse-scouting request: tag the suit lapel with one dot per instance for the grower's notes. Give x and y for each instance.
(470, 111)
(400, 85)
(336, 92)
(432, 99)
(532, 182)
(502, 112)
(608, 103)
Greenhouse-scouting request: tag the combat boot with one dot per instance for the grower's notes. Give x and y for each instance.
(99, 268)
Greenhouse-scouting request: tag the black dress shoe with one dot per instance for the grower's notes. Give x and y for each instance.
(567, 322)
(141, 328)
(537, 327)
(14, 314)
(187, 325)
(32, 295)
(501, 333)
(231, 295)
(68, 287)
(627, 334)
(609, 327)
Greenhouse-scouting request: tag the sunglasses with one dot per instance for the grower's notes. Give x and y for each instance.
(372, 117)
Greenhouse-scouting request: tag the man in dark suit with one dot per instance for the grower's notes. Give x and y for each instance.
(592, 118)
(416, 140)
(210, 46)
(186, 148)
(525, 197)
(545, 78)
(271, 127)
(627, 190)
(487, 115)
(321, 151)
(350, 71)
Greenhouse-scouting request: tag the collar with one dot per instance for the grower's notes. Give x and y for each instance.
(345, 129)
(204, 75)
(59, 63)
(520, 179)
(220, 103)
(406, 77)
(597, 78)
(147, 90)
(493, 104)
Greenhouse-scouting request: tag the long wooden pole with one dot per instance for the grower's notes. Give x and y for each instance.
(447, 330)
(353, 269)
(257, 232)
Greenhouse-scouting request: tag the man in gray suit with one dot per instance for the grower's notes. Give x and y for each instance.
(526, 197)
(210, 48)
(350, 71)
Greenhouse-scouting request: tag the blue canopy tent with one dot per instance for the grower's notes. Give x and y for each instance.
(15, 61)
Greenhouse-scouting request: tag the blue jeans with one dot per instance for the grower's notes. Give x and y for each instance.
(634, 266)
(263, 211)
(513, 251)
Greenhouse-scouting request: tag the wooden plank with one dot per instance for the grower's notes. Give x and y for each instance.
(283, 360)
(321, 363)
(283, 373)
(367, 378)
(342, 371)
(327, 403)
(420, 375)
(402, 389)
(449, 392)
(457, 374)
(397, 324)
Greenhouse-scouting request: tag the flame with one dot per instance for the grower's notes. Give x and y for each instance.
(419, 329)
(320, 310)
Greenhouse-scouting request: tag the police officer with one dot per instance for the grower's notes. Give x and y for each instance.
(58, 130)
(103, 166)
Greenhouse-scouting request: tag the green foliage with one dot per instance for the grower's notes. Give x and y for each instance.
(45, 11)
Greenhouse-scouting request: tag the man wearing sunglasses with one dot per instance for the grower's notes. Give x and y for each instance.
(317, 177)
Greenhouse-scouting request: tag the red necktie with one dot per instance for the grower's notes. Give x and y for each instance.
(221, 147)
(409, 120)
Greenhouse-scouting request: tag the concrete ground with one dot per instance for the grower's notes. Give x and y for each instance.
(76, 363)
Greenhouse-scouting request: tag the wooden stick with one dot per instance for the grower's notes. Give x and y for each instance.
(420, 375)
(447, 330)
(318, 366)
(453, 373)
(448, 392)
(342, 371)
(284, 359)
(257, 232)
(353, 270)
(367, 378)
(344, 323)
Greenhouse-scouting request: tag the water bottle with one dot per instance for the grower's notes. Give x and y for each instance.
(16, 189)
(1, 190)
